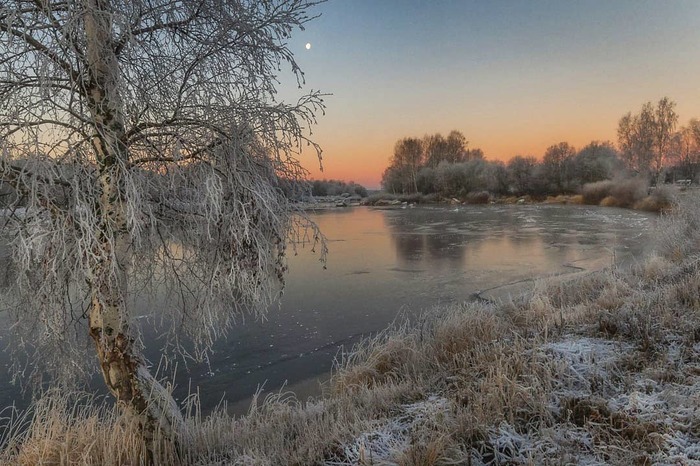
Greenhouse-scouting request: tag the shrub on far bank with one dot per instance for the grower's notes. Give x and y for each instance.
(610, 201)
(383, 198)
(432, 198)
(478, 197)
(380, 196)
(615, 193)
(576, 199)
(661, 198)
(337, 188)
(594, 193)
(629, 191)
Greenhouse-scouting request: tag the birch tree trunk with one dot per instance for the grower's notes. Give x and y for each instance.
(123, 369)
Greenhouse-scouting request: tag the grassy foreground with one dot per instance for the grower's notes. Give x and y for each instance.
(602, 369)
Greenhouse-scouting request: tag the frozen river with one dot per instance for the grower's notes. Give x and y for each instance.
(383, 263)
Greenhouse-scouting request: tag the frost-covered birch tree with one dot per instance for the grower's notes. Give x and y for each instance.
(146, 150)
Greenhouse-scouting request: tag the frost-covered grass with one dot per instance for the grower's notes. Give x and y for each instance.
(602, 369)
(19, 212)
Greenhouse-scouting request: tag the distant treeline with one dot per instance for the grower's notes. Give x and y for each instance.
(291, 188)
(337, 188)
(649, 149)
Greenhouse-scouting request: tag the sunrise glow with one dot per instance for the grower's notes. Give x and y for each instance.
(514, 77)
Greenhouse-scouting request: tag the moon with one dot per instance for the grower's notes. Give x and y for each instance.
(308, 46)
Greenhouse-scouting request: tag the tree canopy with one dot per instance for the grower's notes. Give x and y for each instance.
(147, 150)
(645, 138)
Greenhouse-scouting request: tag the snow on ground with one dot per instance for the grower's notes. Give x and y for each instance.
(666, 412)
(19, 212)
(393, 435)
(584, 362)
(672, 406)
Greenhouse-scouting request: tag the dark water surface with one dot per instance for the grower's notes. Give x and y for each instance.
(384, 263)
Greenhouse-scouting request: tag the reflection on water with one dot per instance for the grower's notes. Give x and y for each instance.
(506, 241)
(384, 262)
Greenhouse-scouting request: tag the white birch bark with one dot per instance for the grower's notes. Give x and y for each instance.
(123, 369)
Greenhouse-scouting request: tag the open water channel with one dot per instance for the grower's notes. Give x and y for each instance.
(387, 264)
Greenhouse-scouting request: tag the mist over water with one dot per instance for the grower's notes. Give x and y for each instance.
(384, 265)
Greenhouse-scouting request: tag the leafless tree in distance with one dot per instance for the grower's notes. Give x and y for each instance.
(645, 138)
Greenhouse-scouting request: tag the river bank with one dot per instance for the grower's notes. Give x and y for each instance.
(605, 194)
(601, 369)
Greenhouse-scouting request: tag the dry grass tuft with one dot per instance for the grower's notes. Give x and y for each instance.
(424, 453)
(462, 329)
(69, 429)
(663, 198)
(629, 192)
(594, 193)
(678, 237)
(376, 361)
(650, 204)
(610, 201)
(576, 199)
(594, 412)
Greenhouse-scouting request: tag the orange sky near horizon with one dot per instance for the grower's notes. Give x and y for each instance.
(514, 77)
(363, 159)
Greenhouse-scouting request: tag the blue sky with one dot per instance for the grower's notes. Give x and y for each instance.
(513, 76)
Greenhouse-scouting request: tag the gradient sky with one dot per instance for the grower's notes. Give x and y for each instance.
(514, 76)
